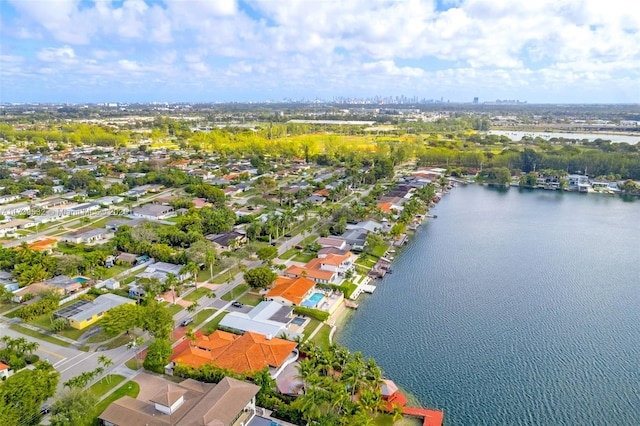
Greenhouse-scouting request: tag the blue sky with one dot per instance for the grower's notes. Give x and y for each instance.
(542, 51)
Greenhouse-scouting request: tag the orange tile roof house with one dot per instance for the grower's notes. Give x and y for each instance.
(327, 270)
(189, 403)
(290, 291)
(247, 353)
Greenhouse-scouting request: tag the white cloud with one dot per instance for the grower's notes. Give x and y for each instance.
(62, 54)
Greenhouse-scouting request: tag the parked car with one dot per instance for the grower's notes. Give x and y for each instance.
(160, 299)
(237, 305)
(185, 322)
(288, 235)
(298, 246)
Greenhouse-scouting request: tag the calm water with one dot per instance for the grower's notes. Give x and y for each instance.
(514, 307)
(517, 135)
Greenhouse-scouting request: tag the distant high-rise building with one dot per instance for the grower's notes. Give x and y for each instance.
(475, 100)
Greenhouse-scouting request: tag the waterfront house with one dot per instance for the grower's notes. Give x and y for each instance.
(269, 318)
(291, 291)
(243, 354)
(230, 402)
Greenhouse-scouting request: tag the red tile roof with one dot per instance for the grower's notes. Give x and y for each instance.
(291, 289)
(246, 353)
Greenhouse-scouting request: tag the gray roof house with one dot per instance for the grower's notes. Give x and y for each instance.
(154, 212)
(268, 318)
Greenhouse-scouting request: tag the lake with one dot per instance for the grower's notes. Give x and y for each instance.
(514, 307)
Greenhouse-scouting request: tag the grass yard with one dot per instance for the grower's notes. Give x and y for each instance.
(202, 315)
(222, 278)
(106, 384)
(133, 364)
(4, 307)
(121, 340)
(204, 275)
(235, 292)
(250, 299)
(322, 337)
(310, 239)
(44, 322)
(348, 288)
(173, 309)
(212, 325)
(379, 251)
(289, 254)
(115, 270)
(102, 222)
(38, 335)
(303, 257)
(311, 325)
(197, 294)
(130, 388)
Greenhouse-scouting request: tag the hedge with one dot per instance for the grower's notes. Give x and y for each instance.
(311, 312)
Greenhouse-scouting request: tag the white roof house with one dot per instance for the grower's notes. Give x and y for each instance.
(268, 318)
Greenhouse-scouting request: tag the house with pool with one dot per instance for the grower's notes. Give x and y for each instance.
(292, 291)
(329, 269)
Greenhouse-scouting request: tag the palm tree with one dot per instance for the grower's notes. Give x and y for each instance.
(192, 307)
(133, 344)
(171, 283)
(306, 370)
(190, 269)
(191, 335)
(210, 260)
(106, 363)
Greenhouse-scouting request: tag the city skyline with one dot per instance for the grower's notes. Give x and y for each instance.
(214, 51)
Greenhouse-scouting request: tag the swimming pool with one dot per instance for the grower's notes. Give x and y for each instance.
(313, 300)
(81, 280)
(298, 321)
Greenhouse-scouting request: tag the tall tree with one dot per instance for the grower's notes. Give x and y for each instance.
(74, 407)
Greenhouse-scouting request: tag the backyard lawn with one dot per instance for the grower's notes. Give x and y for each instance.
(212, 325)
(380, 250)
(235, 292)
(311, 325)
(115, 270)
(322, 337)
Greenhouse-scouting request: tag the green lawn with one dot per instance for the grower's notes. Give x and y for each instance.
(311, 325)
(303, 257)
(222, 278)
(203, 275)
(202, 315)
(14, 314)
(212, 325)
(197, 294)
(289, 254)
(322, 337)
(38, 335)
(121, 340)
(235, 292)
(366, 260)
(116, 270)
(98, 337)
(106, 384)
(310, 239)
(4, 307)
(379, 251)
(250, 299)
(102, 222)
(133, 364)
(130, 388)
(173, 309)
(348, 288)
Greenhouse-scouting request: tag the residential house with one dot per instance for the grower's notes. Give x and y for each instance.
(86, 312)
(11, 227)
(154, 212)
(35, 289)
(227, 240)
(47, 245)
(269, 318)
(338, 243)
(5, 199)
(327, 270)
(87, 235)
(230, 402)
(5, 371)
(65, 284)
(161, 270)
(249, 352)
(291, 291)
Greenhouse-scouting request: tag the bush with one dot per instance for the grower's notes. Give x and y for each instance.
(32, 359)
(157, 355)
(41, 307)
(311, 312)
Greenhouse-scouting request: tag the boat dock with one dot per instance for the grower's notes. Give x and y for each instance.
(350, 304)
(431, 417)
